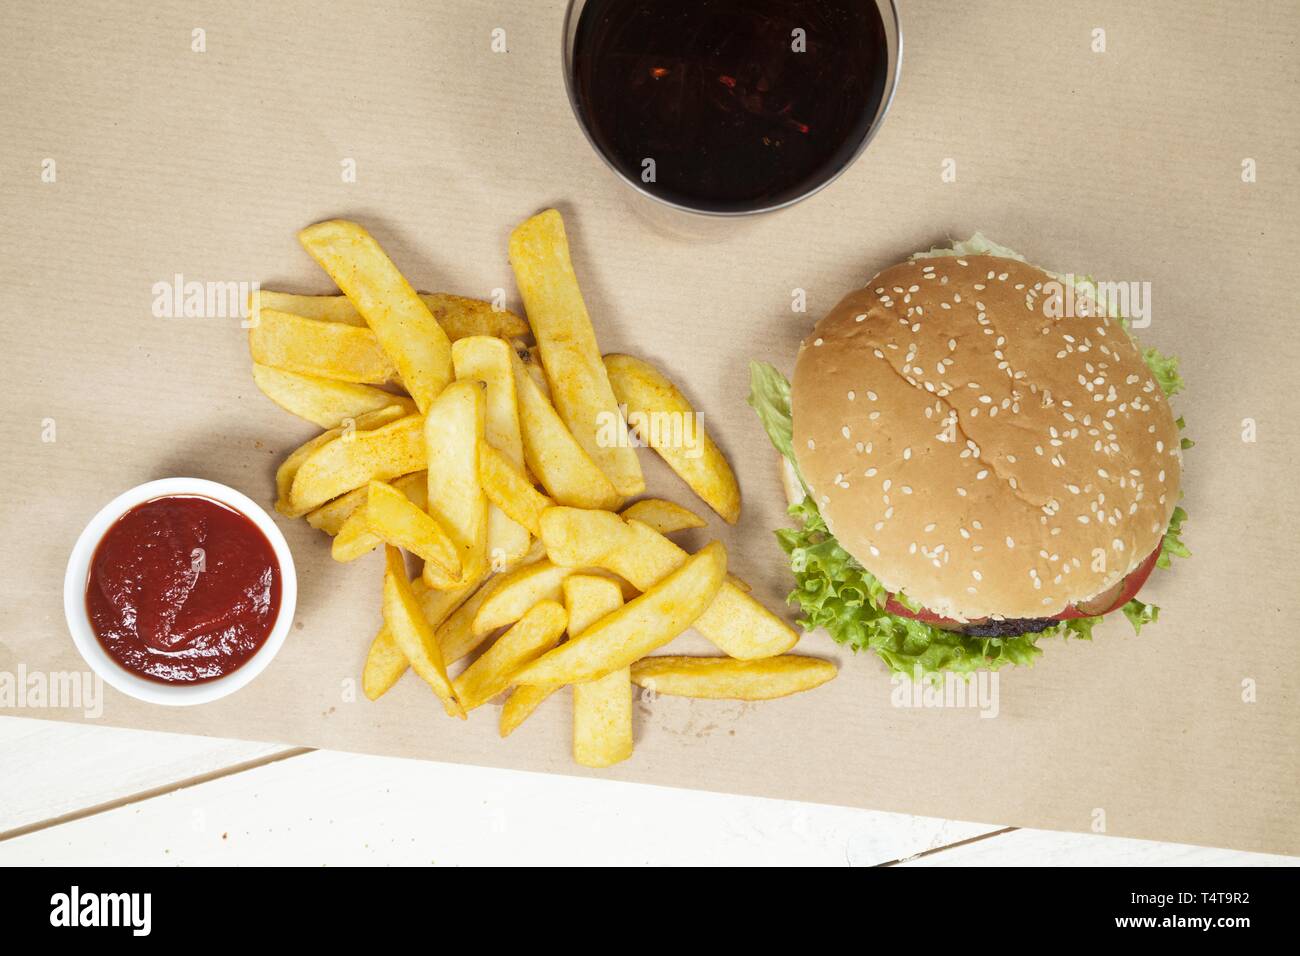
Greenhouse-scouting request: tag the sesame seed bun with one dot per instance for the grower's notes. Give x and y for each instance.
(977, 453)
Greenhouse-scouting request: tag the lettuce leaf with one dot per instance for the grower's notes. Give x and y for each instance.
(1165, 370)
(769, 396)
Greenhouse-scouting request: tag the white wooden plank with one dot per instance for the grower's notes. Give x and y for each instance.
(341, 809)
(1049, 848)
(52, 768)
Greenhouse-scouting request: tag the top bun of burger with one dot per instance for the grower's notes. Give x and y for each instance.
(976, 452)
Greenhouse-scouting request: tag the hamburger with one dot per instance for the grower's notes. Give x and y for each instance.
(979, 456)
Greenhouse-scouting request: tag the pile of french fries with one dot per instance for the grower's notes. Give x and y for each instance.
(448, 435)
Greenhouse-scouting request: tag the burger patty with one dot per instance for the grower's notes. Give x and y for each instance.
(1011, 627)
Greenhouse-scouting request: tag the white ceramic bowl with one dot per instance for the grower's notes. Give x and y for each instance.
(155, 692)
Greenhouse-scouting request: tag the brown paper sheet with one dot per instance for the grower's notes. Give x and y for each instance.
(1125, 164)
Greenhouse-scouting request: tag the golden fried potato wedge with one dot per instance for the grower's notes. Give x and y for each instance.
(330, 350)
(602, 708)
(326, 308)
(517, 591)
(519, 706)
(456, 634)
(539, 254)
(509, 489)
(396, 519)
(643, 624)
(323, 401)
(663, 515)
(333, 515)
(355, 538)
(486, 359)
(412, 632)
(402, 323)
(352, 460)
(736, 623)
(663, 419)
(552, 453)
(725, 678)
(287, 473)
(494, 670)
(459, 317)
(386, 663)
(453, 432)
(588, 598)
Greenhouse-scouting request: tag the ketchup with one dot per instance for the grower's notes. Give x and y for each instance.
(183, 589)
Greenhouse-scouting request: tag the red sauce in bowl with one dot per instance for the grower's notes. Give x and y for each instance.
(183, 589)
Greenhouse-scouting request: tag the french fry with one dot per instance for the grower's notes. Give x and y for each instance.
(323, 401)
(494, 670)
(399, 318)
(663, 515)
(725, 678)
(528, 355)
(487, 360)
(519, 706)
(662, 417)
(639, 627)
(326, 308)
(667, 517)
(386, 663)
(580, 388)
(509, 489)
(517, 591)
(287, 473)
(459, 317)
(329, 350)
(552, 453)
(412, 633)
(456, 635)
(602, 708)
(355, 537)
(393, 517)
(735, 622)
(452, 434)
(350, 461)
(332, 516)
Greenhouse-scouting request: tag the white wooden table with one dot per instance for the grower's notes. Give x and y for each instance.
(72, 794)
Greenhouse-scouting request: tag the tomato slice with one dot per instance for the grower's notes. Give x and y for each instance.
(1123, 592)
